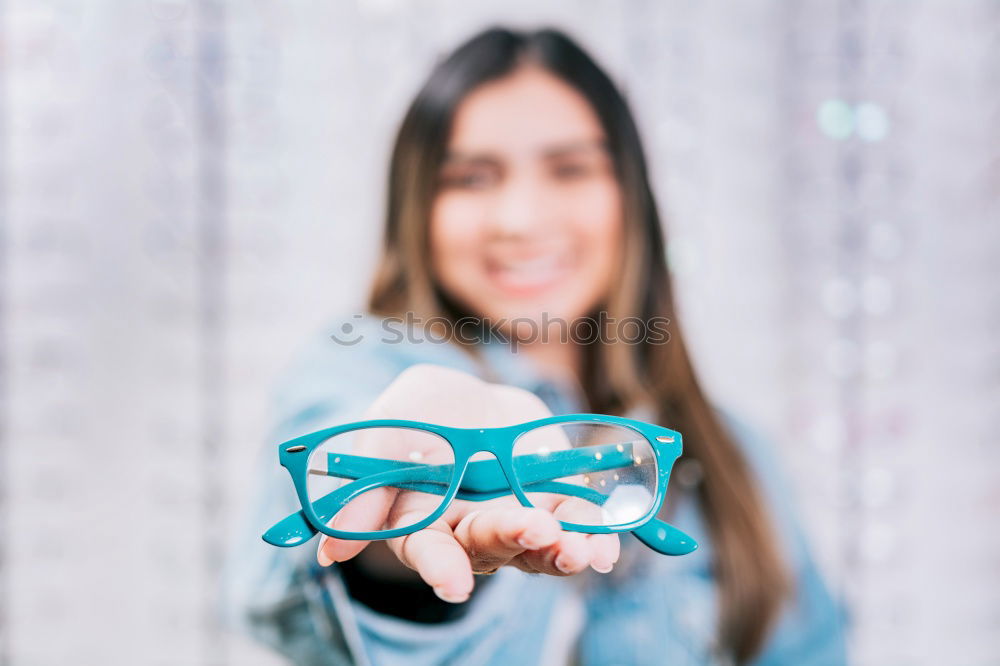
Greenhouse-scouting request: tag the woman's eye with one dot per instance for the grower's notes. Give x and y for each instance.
(472, 179)
(569, 171)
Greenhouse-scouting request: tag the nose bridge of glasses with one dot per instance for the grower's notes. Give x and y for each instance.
(485, 473)
(480, 440)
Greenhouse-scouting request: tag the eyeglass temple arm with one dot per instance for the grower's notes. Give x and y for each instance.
(486, 476)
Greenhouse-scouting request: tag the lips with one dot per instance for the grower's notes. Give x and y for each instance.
(528, 276)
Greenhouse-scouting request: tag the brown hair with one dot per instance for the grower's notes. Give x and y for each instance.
(751, 577)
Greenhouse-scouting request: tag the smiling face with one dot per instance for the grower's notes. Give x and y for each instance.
(527, 218)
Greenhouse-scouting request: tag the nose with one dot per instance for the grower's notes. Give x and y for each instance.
(523, 207)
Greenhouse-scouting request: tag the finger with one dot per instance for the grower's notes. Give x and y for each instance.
(459, 510)
(604, 551)
(439, 559)
(577, 510)
(412, 507)
(571, 554)
(365, 513)
(492, 537)
(604, 548)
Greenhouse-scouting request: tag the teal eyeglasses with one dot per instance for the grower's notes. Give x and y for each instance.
(386, 478)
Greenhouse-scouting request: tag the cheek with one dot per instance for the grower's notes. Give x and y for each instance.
(599, 226)
(454, 236)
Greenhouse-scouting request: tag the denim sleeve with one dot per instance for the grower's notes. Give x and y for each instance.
(811, 630)
(271, 594)
(280, 597)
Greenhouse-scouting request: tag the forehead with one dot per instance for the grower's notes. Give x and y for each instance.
(523, 114)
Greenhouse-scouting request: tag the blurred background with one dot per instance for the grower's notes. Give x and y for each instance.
(190, 189)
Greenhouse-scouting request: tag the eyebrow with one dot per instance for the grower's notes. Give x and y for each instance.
(548, 152)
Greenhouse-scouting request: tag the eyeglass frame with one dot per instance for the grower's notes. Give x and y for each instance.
(485, 483)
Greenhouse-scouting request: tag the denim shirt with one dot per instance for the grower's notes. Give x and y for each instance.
(651, 609)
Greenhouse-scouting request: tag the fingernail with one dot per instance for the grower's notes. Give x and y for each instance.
(321, 556)
(601, 569)
(563, 565)
(450, 597)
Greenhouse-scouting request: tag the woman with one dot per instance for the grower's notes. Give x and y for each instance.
(519, 200)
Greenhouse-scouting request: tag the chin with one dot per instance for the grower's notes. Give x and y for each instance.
(534, 315)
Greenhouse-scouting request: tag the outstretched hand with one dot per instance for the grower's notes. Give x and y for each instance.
(471, 537)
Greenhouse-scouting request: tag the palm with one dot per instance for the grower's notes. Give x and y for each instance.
(470, 536)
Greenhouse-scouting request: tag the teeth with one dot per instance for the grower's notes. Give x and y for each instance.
(529, 273)
(532, 266)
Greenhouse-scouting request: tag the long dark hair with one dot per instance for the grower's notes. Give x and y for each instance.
(750, 575)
